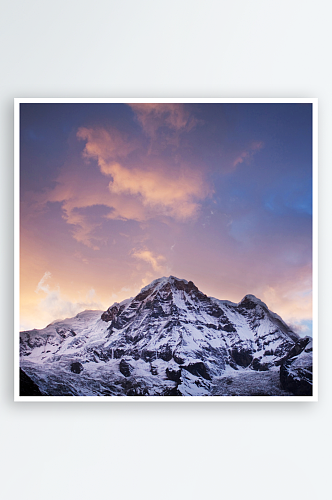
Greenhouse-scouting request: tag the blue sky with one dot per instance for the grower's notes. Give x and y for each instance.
(116, 195)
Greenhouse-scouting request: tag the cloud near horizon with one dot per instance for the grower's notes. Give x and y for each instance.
(54, 305)
(292, 298)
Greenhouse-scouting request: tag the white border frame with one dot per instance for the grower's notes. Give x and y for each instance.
(187, 399)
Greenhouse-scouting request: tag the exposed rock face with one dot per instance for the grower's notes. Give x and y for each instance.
(76, 367)
(198, 369)
(126, 368)
(259, 366)
(112, 312)
(242, 357)
(174, 375)
(169, 339)
(296, 370)
(27, 386)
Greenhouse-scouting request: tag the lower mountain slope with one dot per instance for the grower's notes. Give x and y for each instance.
(171, 339)
(296, 370)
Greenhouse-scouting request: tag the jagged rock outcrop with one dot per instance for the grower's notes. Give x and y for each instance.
(296, 369)
(76, 367)
(27, 386)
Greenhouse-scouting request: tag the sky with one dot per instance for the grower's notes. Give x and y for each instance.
(114, 196)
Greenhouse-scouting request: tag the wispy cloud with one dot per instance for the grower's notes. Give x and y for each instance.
(42, 285)
(84, 202)
(54, 304)
(161, 188)
(133, 185)
(175, 196)
(83, 228)
(302, 327)
(156, 261)
(291, 298)
(248, 153)
(108, 144)
(153, 116)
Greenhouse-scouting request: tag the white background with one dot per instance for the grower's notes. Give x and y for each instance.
(151, 48)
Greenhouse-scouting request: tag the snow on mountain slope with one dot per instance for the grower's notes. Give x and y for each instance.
(170, 339)
(296, 370)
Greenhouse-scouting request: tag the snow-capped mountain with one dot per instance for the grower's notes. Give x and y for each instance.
(170, 339)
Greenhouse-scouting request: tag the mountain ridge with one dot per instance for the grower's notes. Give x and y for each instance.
(170, 339)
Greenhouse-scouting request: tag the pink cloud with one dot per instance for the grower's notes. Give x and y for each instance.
(175, 196)
(162, 190)
(150, 190)
(248, 154)
(156, 261)
(53, 304)
(109, 144)
(291, 298)
(152, 116)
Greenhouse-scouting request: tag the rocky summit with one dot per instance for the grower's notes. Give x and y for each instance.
(169, 340)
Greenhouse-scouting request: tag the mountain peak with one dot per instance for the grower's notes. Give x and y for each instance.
(249, 301)
(170, 282)
(170, 339)
(162, 281)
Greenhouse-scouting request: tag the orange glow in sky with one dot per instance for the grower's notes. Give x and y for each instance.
(114, 196)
